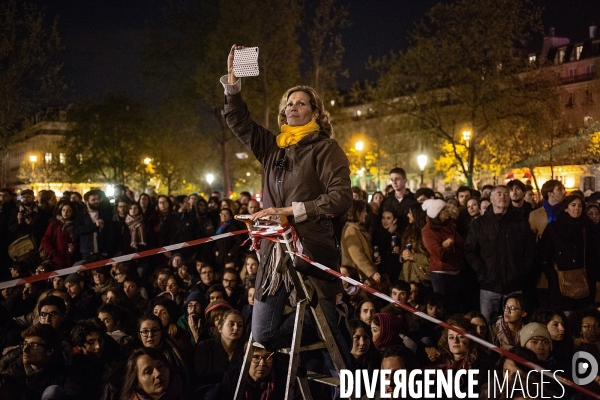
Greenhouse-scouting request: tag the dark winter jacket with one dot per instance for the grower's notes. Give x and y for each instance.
(501, 249)
(400, 209)
(85, 229)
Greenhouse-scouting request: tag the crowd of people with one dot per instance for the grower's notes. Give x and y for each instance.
(175, 324)
(518, 272)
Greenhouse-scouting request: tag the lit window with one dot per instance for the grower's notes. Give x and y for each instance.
(561, 56)
(80, 158)
(48, 157)
(578, 52)
(532, 59)
(62, 158)
(358, 113)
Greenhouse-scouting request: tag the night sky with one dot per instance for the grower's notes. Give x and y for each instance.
(102, 39)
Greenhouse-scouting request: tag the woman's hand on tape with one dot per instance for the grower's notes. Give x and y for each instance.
(272, 211)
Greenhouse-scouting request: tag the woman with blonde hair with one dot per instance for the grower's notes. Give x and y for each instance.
(307, 179)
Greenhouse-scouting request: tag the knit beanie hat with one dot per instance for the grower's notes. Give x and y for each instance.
(390, 327)
(534, 329)
(196, 296)
(433, 207)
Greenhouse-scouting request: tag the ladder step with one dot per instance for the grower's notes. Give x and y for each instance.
(314, 346)
(325, 379)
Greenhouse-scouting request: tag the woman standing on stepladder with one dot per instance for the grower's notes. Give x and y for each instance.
(306, 178)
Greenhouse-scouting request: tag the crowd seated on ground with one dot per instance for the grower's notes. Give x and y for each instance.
(175, 325)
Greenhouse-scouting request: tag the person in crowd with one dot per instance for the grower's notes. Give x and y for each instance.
(149, 375)
(251, 268)
(426, 333)
(137, 228)
(191, 320)
(386, 330)
(592, 211)
(121, 234)
(216, 292)
(585, 329)
(59, 239)
(161, 277)
(190, 281)
(114, 319)
(229, 250)
(484, 204)
(314, 194)
(486, 191)
(132, 286)
(414, 256)
(363, 351)
(29, 219)
(28, 370)
(458, 351)
(84, 302)
(155, 226)
(400, 199)
(102, 281)
(473, 208)
(562, 342)
(365, 311)
(116, 294)
(234, 293)
(212, 315)
(356, 245)
(400, 292)
(95, 354)
(175, 285)
(416, 294)
(178, 227)
(423, 194)
(463, 194)
(567, 244)
(481, 325)
(175, 261)
(535, 337)
(506, 328)
(261, 382)
(93, 228)
(230, 205)
(169, 313)
(152, 335)
(253, 206)
(146, 206)
(501, 249)
(216, 356)
(382, 237)
(207, 276)
(517, 199)
(445, 247)
(553, 194)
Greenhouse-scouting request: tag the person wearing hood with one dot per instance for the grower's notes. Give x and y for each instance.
(445, 247)
(568, 244)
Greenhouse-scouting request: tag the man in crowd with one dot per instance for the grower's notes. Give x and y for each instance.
(34, 369)
(92, 227)
(400, 200)
(423, 194)
(29, 220)
(517, 198)
(253, 206)
(486, 191)
(84, 302)
(132, 286)
(501, 249)
(122, 236)
(463, 194)
(190, 320)
(553, 193)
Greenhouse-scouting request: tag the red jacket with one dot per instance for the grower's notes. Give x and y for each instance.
(440, 258)
(56, 243)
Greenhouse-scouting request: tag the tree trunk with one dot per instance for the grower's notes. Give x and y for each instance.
(471, 162)
(537, 188)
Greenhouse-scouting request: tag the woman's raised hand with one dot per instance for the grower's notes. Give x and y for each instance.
(230, 76)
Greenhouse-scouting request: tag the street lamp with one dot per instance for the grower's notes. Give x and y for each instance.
(147, 160)
(33, 160)
(359, 146)
(422, 162)
(467, 137)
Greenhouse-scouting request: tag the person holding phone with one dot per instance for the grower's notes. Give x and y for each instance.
(307, 179)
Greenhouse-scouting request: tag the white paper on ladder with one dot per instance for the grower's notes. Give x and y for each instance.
(245, 62)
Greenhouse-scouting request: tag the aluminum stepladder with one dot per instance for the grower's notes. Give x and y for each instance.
(305, 297)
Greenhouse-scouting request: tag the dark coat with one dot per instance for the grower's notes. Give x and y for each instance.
(84, 232)
(315, 179)
(501, 249)
(212, 362)
(178, 228)
(390, 262)
(230, 249)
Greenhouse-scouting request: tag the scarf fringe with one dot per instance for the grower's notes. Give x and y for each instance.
(277, 272)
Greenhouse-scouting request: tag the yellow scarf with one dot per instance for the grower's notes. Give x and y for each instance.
(291, 135)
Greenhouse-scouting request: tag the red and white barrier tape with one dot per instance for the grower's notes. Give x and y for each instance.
(114, 260)
(445, 325)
